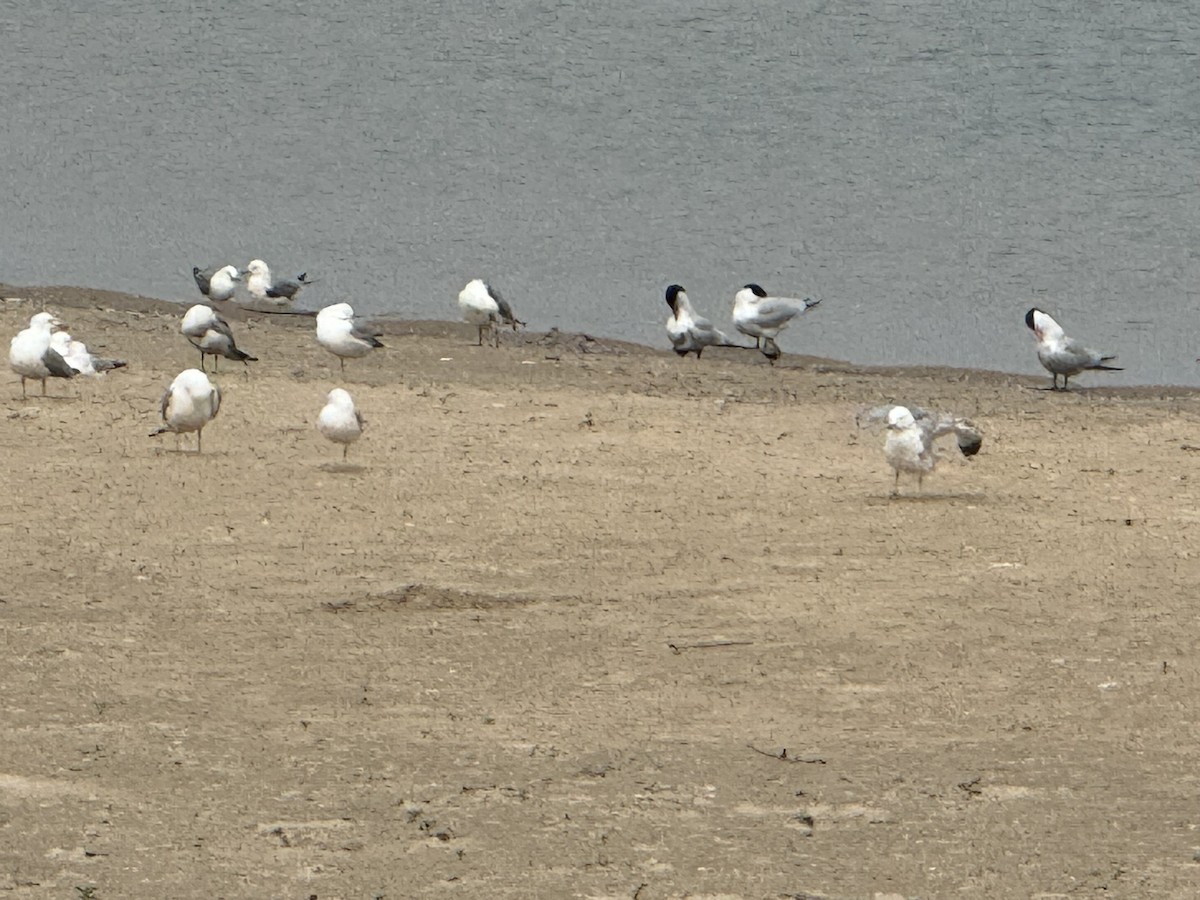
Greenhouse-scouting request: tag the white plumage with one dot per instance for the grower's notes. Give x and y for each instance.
(190, 403)
(911, 436)
(342, 335)
(217, 284)
(688, 331)
(212, 336)
(483, 307)
(79, 358)
(761, 316)
(1061, 355)
(263, 286)
(339, 421)
(31, 356)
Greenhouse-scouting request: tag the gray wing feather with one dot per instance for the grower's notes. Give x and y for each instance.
(935, 424)
(506, 313)
(368, 333)
(203, 279)
(58, 367)
(105, 365)
(776, 312)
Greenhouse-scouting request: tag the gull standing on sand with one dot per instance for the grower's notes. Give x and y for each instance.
(212, 336)
(31, 356)
(1061, 355)
(911, 434)
(759, 315)
(190, 403)
(263, 287)
(79, 358)
(339, 421)
(217, 284)
(689, 332)
(344, 337)
(483, 307)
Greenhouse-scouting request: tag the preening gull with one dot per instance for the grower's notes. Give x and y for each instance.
(1061, 355)
(483, 307)
(190, 403)
(339, 420)
(911, 433)
(688, 331)
(212, 336)
(217, 283)
(31, 356)
(761, 316)
(262, 286)
(343, 336)
(79, 358)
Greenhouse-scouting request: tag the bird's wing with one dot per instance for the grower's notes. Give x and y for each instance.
(506, 313)
(58, 367)
(216, 401)
(873, 417)
(364, 332)
(203, 279)
(936, 424)
(775, 312)
(166, 401)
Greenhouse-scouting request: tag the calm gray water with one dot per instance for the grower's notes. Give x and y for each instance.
(930, 169)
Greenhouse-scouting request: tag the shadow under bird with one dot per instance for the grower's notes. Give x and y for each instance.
(339, 332)
(689, 332)
(190, 403)
(484, 307)
(212, 336)
(217, 283)
(761, 316)
(31, 356)
(1061, 355)
(262, 286)
(911, 436)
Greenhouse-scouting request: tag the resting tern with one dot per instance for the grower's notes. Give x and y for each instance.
(1061, 355)
(688, 331)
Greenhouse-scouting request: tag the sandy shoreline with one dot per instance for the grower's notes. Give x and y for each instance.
(549, 631)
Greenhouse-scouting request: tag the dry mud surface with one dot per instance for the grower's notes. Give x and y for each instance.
(582, 619)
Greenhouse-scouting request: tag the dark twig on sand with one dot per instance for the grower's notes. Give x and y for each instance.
(782, 756)
(704, 645)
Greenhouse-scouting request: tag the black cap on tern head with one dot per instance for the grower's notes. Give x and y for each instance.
(673, 291)
(1029, 317)
(756, 290)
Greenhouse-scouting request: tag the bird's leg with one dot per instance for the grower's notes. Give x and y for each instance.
(199, 434)
(345, 450)
(24, 396)
(342, 363)
(202, 361)
(1066, 378)
(43, 387)
(920, 481)
(480, 344)
(896, 485)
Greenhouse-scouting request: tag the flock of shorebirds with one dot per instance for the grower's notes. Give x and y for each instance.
(45, 350)
(910, 446)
